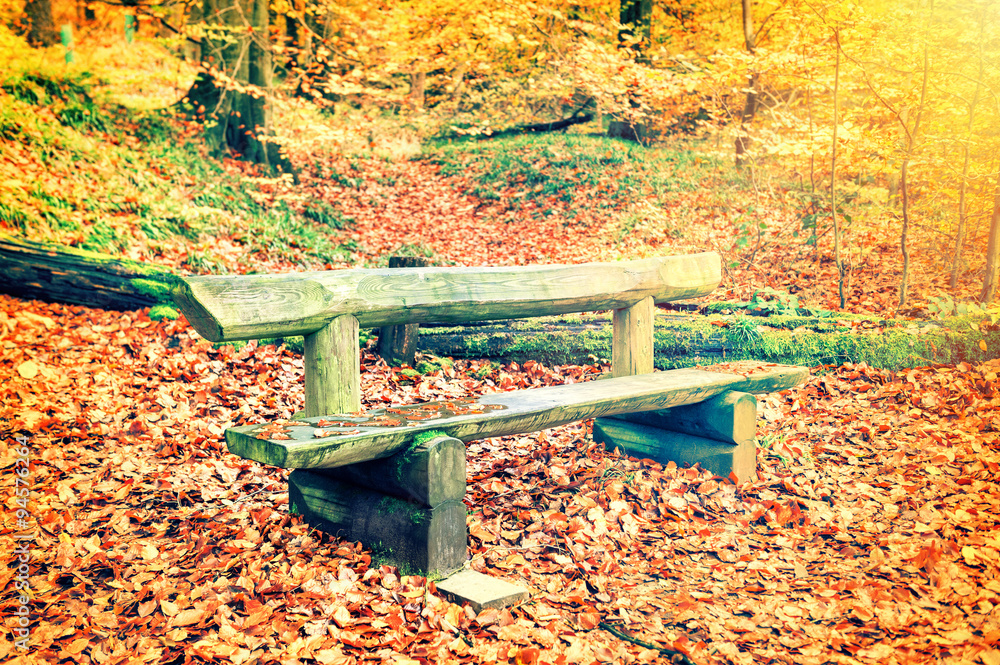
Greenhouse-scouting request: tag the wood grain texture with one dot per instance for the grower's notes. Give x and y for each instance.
(333, 368)
(666, 446)
(632, 339)
(730, 418)
(235, 307)
(429, 473)
(522, 411)
(431, 540)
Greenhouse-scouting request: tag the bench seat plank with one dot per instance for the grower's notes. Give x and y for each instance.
(338, 440)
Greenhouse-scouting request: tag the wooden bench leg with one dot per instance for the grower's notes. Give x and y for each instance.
(632, 339)
(406, 508)
(717, 433)
(333, 368)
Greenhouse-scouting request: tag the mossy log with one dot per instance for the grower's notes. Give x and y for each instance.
(683, 340)
(56, 273)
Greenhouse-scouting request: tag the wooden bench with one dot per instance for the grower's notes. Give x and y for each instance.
(394, 478)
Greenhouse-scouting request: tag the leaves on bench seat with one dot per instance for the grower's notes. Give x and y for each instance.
(395, 416)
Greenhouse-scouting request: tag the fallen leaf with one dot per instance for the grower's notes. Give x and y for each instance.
(28, 369)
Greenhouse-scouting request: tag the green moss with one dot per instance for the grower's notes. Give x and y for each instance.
(386, 556)
(163, 312)
(403, 460)
(237, 345)
(161, 291)
(432, 364)
(390, 505)
(683, 341)
(424, 437)
(485, 371)
(895, 348)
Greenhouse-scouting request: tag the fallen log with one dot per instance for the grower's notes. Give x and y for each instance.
(562, 340)
(684, 340)
(540, 127)
(56, 273)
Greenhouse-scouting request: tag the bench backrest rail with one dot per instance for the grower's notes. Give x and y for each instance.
(328, 308)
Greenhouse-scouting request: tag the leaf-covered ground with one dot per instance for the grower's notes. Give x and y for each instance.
(871, 536)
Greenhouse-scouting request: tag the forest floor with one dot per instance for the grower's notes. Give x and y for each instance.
(872, 534)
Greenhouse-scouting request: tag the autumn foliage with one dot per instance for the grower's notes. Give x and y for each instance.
(871, 534)
(869, 537)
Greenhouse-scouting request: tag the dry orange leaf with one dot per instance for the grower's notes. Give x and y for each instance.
(528, 656)
(342, 617)
(188, 617)
(28, 369)
(168, 608)
(77, 646)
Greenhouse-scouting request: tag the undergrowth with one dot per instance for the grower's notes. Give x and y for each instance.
(577, 169)
(89, 172)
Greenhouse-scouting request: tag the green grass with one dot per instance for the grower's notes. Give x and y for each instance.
(116, 177)
(573, 168)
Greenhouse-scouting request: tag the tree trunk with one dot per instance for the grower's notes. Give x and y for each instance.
(41, 29)
(55, 273)
(911, 146)
(233, 96)
(751, 102)
(635, 18)
(964, 185)
(841, 269)
(418, 85)
(992, 252)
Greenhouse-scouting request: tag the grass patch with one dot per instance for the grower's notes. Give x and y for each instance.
(116, 178)
(579, 170)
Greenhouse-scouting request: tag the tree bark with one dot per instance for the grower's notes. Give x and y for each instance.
(841, 268)
(989, 291)
(41, 28)
(911, 146)
(418, 86)
(635, 17)
(233, 96)
(964, 185)
(55, 273)
(751, 102)
(541, 127)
